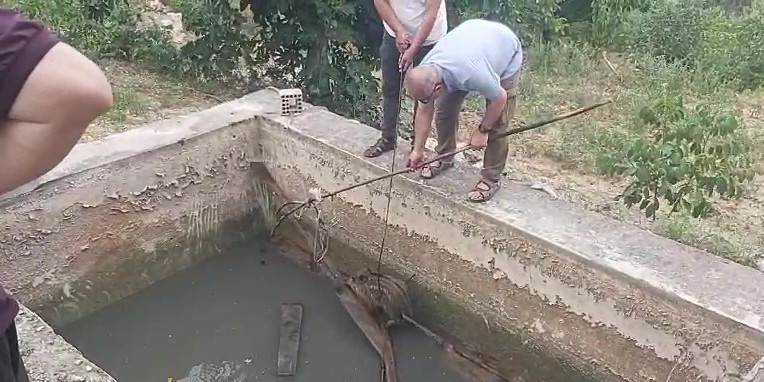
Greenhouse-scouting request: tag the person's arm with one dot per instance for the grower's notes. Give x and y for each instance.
(494, 108)
(423, 124)
(430, 15)
(388, 15)
(489, 86)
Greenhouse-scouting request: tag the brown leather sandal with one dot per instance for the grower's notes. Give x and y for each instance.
(483, 191)
(382, 146)
(435, 168)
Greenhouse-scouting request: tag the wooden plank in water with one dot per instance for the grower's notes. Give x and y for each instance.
(289, 344)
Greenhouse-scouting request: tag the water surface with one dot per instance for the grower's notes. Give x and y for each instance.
(220, 321)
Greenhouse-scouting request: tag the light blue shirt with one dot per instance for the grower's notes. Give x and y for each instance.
(476, 56)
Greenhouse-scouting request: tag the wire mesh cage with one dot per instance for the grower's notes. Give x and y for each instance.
(291, 101)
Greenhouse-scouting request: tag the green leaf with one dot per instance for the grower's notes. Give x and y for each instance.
(749, 174)
(650, 210)
(605, 164)
(642, 174)
(697, 210)
(721, 185)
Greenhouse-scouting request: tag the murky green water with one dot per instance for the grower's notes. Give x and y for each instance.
(220, 321)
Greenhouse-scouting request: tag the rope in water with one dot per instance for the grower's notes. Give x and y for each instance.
(390, 186)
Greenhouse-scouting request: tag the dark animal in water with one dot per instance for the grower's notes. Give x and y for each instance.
(387, 295)
(371, 325)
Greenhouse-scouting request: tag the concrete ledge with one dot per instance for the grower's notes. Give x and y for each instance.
(119, 214)
(98, 234)
(548, 289)
(48, 357)
(618, 302)
(756, 374)
(116, 147)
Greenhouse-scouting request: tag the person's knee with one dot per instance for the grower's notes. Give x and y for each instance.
(71, 89)
(92, 89)
(446, 117)
(89, 92)
(99, 96)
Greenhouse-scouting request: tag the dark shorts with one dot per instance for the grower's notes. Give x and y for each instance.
(23, 44)
(11, 366)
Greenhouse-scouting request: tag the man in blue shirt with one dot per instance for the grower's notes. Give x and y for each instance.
(481, 56)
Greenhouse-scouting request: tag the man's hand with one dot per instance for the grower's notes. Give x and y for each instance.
(479, 140)
(407, 58)
(402, 41)
(416, 158)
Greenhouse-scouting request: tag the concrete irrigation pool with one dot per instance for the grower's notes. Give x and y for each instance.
(125, 225)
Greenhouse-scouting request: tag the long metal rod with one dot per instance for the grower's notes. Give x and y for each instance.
(468, 147)
(300, 205)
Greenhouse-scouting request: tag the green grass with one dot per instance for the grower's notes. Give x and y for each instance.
(141, 96)
(564, 76)
(127, 102)
(723, 241)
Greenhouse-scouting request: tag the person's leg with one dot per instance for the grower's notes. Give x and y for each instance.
(391, 83)
(11, 365)
(495, 156)
(63, 94)
(447, 109)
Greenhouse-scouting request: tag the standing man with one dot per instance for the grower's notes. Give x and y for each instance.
(412, 27)
(481, 56)
(49, 94)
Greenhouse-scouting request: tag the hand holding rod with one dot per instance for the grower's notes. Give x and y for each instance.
(468, 147)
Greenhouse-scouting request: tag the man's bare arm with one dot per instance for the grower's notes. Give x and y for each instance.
(423, 124)
(388, 15)
(494, 109)
(430, 15)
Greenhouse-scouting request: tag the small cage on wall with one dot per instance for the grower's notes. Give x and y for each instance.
(291, 101)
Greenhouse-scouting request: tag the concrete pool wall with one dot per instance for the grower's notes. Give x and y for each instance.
(534, 282)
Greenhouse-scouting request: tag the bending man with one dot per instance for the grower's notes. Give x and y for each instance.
(49, 94)
(411, 29)
(480, 56)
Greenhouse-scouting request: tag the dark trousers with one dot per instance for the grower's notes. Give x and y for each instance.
(391, 84)
(11, 366)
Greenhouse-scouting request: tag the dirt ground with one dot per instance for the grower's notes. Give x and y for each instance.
(141, 96)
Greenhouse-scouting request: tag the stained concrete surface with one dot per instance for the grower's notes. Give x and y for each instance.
(637, 298)
(220, 321)
(720, 286)
(153, 136)
(756, 374)
(48, 357)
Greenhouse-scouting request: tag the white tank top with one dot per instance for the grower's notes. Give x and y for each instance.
(411, 15)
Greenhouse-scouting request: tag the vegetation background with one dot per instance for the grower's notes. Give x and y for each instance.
(678, 152)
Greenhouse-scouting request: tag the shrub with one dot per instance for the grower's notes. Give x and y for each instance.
(721, 49)
(731, 51)
(327, 42)
(531, 19)
(607, 17)
(76, 23)
(686, 157)
(220, 44)
(670, 30)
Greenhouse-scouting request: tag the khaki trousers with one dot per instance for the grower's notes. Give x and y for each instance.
(447, 109)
